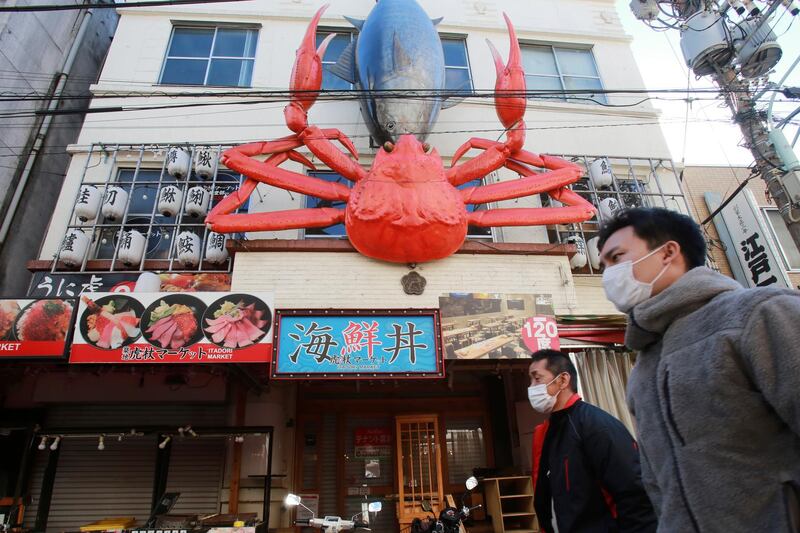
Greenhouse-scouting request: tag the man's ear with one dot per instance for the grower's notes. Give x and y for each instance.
(672, 250)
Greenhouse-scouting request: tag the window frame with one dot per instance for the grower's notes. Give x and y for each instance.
(468, 67)
(774, 234)
(352, 32)
(304, 231)
(216, 27)
(589, 48)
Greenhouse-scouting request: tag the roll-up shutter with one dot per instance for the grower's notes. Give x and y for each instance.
(93, 484)
(195, 470)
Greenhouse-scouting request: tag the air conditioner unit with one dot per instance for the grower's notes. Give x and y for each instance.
(705, 43)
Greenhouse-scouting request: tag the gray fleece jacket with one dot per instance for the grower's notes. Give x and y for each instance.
(716, 396)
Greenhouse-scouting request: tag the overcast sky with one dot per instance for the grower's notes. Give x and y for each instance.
(710, 138)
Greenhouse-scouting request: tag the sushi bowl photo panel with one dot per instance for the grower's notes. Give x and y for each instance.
(237, 321)
(110, 322)
(169, 327)
(174, 321)
(35, 327)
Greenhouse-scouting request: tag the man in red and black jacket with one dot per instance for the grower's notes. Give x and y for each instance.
(586, 472)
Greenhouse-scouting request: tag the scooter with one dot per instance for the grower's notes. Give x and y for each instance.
(333, 524)
(450, 518)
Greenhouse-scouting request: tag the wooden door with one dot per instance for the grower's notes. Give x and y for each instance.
(419, 466)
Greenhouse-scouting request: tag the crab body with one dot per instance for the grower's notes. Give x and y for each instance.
(408, 206)
(405, 208)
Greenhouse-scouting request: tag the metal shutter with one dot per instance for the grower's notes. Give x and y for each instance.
(328, 477)
(195, 470)
(91, 484)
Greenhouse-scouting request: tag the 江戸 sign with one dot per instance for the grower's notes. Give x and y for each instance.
(200, 327)
(357, 343)
(749, 247)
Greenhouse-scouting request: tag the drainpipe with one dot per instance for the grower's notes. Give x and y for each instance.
(41, 134)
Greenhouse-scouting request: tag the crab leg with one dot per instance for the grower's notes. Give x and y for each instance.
(237, 198)
(534, 216)
(510, 110)
(273, 175)
(530, 184)
(305, 85)
(316, 217)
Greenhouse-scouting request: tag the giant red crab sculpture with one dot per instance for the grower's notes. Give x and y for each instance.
(406, 207)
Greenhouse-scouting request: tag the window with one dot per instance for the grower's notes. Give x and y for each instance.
(476, 232)
(331, 82)
(465, 448)
(337, 230)
(216, 56)
(562, 69)
(788, 248)
(142, 215)
(456, 65)
(457, 73)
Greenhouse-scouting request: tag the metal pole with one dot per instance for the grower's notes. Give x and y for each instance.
(46, 494)
(268, 481)
(754, 128)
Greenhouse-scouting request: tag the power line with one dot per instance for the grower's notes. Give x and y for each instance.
(112, 5)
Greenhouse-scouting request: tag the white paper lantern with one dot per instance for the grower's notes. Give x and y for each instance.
(609, 207)
(594, 252)
(600, 173)
(169, 200)
(88, 204)
(204, 159)
(188, 248)
(74, 247)
(215, 248)
(579, 259)
(179, 163)
(197, 199)
(131, 248)
(114, 203)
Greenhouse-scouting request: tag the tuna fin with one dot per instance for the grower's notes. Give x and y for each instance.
(401, 59)
(437, 21)
(460, 94)
(357, 23)
(345, 67)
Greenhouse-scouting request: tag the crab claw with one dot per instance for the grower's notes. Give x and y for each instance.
(306, 75)
(510, 81)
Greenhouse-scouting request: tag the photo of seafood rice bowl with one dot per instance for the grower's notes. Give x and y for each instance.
(44, 320)
(9, 310)
(237, 320)
(111, 322)
(174, 321)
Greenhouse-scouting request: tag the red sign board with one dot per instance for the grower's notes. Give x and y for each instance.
(173, 328)
(373, 442)
(35, 327)
(541, 333)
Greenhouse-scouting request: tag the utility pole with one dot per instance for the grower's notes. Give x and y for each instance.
(769, 163)
(733, 52)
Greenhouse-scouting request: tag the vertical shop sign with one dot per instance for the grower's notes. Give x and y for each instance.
(749, 246)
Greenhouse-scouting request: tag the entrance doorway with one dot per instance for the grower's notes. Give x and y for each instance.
(419, 468)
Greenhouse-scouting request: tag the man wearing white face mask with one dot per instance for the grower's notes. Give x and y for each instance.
(586, 472)
(714, 390)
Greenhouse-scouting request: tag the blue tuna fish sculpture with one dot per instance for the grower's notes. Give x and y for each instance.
(397, 49)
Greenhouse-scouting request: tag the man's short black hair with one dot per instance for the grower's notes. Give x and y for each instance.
(558, 363)
(657, 226)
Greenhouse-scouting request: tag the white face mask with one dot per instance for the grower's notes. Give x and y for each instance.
(540, 399)
(623, 289)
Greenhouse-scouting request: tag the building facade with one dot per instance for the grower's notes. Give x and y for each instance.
(48, 61)
(201, 78)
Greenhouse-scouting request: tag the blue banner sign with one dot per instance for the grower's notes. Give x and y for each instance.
(370, 343)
